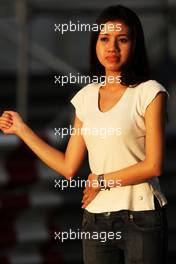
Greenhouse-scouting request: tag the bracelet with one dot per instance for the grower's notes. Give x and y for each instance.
(101, 182)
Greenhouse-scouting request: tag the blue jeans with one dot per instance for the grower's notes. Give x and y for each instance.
(125, 237)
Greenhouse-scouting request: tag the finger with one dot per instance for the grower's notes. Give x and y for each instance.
(87, 183)
(87, 188)
(6, 119)
(89, 194)
(5, 130)
(85, 204)
(5, 123)
(10, 112)
(5, 126)
(84, 198)
(86, 191)
(89, 198)
(6, 115)
(86, 194)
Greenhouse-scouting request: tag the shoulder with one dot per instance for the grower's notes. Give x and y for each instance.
(83, 97)
(80, 99)
(150, 87)
(147, 91)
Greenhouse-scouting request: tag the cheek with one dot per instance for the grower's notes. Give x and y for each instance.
(99, 51)
(126, 50)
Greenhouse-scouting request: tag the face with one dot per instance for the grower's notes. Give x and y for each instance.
(113, 46)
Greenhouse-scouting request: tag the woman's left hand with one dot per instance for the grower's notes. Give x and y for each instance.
(91, 190)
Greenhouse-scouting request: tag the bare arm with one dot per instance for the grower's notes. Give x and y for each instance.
(66, 163)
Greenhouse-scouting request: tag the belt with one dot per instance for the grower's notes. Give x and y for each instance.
(127, 214)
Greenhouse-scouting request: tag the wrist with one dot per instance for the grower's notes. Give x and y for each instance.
(21, 130)
(102, 182)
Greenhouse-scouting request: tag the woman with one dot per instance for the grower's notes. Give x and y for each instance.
(126, 162)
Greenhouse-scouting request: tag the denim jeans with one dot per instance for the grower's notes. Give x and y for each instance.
(125, 237)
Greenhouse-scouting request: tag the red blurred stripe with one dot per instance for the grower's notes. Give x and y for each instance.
(20, 166)
(7, 237)
(4, 260)
(14, 201)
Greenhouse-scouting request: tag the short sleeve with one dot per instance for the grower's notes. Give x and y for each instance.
(149, 91)
(78, 103)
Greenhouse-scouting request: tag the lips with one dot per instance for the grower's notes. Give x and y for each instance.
(112, 58)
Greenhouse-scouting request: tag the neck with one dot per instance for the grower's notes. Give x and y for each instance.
(113, 80)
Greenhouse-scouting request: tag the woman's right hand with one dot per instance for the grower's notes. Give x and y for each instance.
(11, 122)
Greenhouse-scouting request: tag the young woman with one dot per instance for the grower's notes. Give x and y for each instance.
(126, 203)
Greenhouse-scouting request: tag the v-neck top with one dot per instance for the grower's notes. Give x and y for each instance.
(120, 100)
(115, 139)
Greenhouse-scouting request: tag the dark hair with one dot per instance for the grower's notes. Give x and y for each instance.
(136, 70)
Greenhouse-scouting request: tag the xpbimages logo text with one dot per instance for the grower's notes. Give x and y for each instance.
(83, 183)
(71, 26)
(85, 79)
(101, 132)
(103, 236)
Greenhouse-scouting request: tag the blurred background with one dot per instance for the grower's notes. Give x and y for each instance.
(32, 53)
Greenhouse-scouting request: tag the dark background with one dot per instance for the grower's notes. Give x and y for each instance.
(31, 54)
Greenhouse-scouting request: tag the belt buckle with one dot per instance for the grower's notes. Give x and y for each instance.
(131, 217)
(107, 213)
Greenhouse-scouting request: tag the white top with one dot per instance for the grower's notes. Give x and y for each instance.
(115, 140)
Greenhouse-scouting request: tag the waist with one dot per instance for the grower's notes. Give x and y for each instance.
(127, 214)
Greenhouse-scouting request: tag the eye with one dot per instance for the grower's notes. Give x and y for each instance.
(103, 38)
(123, 40)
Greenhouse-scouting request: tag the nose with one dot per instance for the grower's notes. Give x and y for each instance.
(113, 46)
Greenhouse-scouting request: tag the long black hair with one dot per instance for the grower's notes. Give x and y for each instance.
(136, 70)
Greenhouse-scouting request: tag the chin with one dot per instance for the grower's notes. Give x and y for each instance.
(113, 68)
